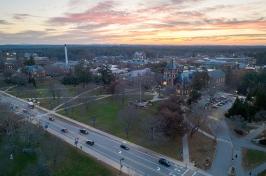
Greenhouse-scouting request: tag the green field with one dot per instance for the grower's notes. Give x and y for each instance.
(262, 173)
(107, 113)
(46, 155)
(51, 92)
(253, 158)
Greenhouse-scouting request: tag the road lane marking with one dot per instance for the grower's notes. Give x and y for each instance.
(185, 172)
(126, 159)
(171, 174)
(194, 174)
(178, 170)
(98, 151)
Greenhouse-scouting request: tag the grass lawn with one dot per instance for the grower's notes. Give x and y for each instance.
(79, 164)
(262, 173)
(50, 88)
(49, 156)
(3, 85)
(200, 149)
(106, 112)
(252, 158)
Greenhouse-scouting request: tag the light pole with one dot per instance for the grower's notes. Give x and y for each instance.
(121, 165)
(94, 121)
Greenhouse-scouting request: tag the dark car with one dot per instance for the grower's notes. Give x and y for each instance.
(90, 142)
(164, 162)
(239, 132)
(51, 118)
(83, 131)
(64, 130)
(123, 146)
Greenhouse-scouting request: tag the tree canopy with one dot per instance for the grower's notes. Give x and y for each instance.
(172, 118)
(253, 85)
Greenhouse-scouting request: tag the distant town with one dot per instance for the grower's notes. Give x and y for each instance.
(141, 110)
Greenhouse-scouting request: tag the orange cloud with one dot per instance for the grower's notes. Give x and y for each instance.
(164, 22)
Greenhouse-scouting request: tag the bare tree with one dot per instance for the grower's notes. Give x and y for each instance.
(128, 115)
(172, 117)
(197, 118)
(52, 90)
(151, 126)
(120, 90)
(54, 152)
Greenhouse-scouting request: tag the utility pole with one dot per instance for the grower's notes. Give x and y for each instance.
(94, 121)
(121, 165)
(66, 56)
(140, 100)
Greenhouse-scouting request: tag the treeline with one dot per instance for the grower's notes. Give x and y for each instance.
(82, 75)
(260, 58)
(77, 52)
(253, 86)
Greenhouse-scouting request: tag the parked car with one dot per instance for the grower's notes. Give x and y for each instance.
(90, 142)
(83, 131)
(123, 146)
(214, 106)
(164, 162)
(262, 142)
(64, 130)
(51, 119)
(239, 132)
(31, 105)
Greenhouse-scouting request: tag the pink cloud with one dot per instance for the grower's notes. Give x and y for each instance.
(102, 13)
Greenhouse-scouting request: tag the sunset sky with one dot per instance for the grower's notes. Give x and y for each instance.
(172, 22)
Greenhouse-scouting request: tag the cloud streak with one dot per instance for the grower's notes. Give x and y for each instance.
(4, 22)
(163, 22)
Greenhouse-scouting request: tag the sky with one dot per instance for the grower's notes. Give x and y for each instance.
(156, 22)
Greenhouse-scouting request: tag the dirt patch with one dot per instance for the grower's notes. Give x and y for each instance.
(201, 150)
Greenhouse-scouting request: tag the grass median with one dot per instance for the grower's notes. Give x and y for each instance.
(28, 150)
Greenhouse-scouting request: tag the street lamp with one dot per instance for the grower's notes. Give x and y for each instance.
(121, 165)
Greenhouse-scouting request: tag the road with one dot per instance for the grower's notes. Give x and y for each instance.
(136, 161)
(230, 145)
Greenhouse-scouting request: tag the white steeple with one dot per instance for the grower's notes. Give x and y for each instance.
(66, 57)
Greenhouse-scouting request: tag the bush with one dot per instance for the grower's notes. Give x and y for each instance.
(70, 80)
(262, 141)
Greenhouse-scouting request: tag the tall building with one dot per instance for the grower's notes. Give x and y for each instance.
(170, 73)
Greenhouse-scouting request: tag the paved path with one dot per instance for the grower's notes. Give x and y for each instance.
(229, 146)
(75, 97)
(185, 149)
(258, 169)
(9, 88)
(76, 105)
(157, 98)
(224, 148)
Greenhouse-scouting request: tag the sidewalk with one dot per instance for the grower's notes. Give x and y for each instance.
(185, 149)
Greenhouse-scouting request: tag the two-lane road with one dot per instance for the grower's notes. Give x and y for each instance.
(135, 161)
